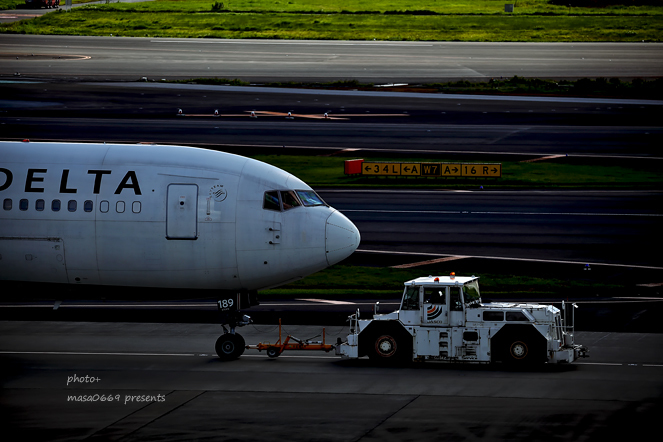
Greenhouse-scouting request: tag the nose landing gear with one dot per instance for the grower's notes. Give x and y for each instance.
(231, 345)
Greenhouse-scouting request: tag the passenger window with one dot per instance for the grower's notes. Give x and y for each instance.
(119, 207)
(7, 204)
(516, 316)
(104, 206)
(135, 207)
(55, 206)
(23, 205)
(39, 205)
(271, 201)
(72, 205)
(310, 198)
(289, 199)
(87, 206)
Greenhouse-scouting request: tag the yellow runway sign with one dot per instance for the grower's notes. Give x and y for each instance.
(442, 170)
(382, 169)
(482, 170)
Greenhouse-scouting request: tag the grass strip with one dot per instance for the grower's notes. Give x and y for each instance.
(108, 20)
(396, 7)
(339, 281)
(323, 171)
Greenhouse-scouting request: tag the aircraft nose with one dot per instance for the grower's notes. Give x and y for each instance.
(342, 237)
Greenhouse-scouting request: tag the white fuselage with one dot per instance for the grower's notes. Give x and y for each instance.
(159, 216)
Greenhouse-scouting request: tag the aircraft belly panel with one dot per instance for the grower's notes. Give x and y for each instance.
(259, 269)
(139, 252)
(33, 259)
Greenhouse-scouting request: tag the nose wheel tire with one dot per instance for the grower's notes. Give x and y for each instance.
(230, 346)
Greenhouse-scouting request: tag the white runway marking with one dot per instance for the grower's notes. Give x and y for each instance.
(468, 212)
(328, 301)
(505, 258)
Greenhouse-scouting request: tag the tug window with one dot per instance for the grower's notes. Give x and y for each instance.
(310, 198)
(434, 296)
(456, 301)
(493, 316)
(411, 299)
(271, 201)
(516, 316)
(289, 199)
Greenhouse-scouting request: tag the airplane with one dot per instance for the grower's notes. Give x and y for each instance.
(169, 220)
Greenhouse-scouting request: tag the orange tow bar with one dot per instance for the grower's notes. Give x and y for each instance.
(275, 350)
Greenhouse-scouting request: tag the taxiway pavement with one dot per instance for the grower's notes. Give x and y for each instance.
(166, 383)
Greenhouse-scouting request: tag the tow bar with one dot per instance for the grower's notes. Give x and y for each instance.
(275, 350)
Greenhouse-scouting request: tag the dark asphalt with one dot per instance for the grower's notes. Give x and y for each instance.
(112, 58)
(391, 123)
(166, 384)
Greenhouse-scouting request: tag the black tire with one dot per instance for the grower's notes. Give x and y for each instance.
(520, 351)
(518, 345)
(230, 346)
(389, 345)
(273, 352)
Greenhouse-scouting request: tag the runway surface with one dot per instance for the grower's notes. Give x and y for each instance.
(435, 124)
(549, 226)
(166, 384)
(112, 58)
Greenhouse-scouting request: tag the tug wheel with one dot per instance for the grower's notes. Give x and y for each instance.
(389, 345)
(230, 346)
(386, 346)
(518, 350)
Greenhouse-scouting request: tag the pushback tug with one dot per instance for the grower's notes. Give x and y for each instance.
(443, 319)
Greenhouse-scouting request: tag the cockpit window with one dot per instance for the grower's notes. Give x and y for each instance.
(310, 198)
(289, 199)
(271, 201)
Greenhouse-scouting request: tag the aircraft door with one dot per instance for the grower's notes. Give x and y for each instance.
(182, 211)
